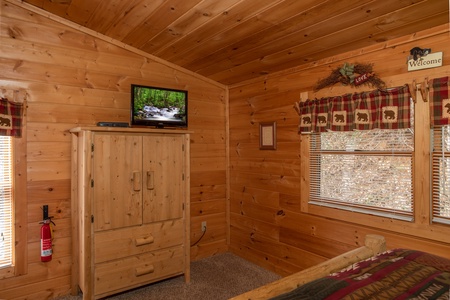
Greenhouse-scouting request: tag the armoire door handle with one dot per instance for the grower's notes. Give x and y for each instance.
(150, 178)
(136, 181)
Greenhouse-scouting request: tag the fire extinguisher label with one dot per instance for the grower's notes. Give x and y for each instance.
(46, 247)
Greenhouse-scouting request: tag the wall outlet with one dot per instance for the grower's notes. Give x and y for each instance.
(203, 226)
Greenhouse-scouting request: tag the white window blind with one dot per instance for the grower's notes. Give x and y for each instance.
(441, 175)
(365, 171)
(6, 207)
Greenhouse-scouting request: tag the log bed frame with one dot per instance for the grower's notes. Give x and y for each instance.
(373, 244)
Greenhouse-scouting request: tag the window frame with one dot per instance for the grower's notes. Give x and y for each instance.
(436, 155)
(421, 225)
(20, 255)
(316, 198)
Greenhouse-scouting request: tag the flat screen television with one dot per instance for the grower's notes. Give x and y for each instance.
(159, 107)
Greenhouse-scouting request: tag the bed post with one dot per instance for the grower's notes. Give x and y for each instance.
(375, 242)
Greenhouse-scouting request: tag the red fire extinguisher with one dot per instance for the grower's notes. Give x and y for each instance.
(46, 236)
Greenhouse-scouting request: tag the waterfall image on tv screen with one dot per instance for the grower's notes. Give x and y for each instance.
(158, 106)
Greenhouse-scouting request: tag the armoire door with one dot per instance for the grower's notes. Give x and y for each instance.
(117, 180)
(163, 170)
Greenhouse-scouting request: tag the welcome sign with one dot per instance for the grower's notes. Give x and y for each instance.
(432, 60)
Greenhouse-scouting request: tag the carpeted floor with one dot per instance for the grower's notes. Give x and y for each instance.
(218, 277)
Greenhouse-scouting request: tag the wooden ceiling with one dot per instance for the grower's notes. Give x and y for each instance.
(230, 41)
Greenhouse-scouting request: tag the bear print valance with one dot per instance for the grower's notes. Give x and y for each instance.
(383, 109)
(11, 114)
(440, 101)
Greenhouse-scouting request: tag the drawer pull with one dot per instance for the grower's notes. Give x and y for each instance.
(145, 240)
(150, 176)
(136, 181)
(144, 270)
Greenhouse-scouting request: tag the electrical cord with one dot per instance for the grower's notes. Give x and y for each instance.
(203, 234)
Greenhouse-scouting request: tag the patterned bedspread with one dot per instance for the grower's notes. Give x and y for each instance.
(394, 274)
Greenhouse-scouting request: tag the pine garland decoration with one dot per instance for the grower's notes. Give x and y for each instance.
(346, 75)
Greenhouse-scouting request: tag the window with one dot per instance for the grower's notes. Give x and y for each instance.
(368, 171)
(13, 187)
(13, 201)
(441, 174)
(6, 198)
(439, 95)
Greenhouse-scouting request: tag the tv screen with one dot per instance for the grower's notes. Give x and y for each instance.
(159, 107)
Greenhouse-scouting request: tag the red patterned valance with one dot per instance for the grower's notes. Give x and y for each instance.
(10, 118)
(439, 101)
(383, 109)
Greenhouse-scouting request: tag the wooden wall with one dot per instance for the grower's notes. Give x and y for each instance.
(271, 221)
(75, 78)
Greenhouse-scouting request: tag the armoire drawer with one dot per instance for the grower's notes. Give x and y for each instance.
(115, 276)
(120, 243)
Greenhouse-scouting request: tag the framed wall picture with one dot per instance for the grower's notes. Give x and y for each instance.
(268, 136)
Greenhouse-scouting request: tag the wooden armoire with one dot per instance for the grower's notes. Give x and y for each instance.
(130, 208)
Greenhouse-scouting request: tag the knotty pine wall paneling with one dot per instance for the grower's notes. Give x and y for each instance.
(271, 222)
(77, 78)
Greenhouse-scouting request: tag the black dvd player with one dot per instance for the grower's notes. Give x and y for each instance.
(113, 124)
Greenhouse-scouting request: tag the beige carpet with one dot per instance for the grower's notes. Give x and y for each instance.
(218, 277)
